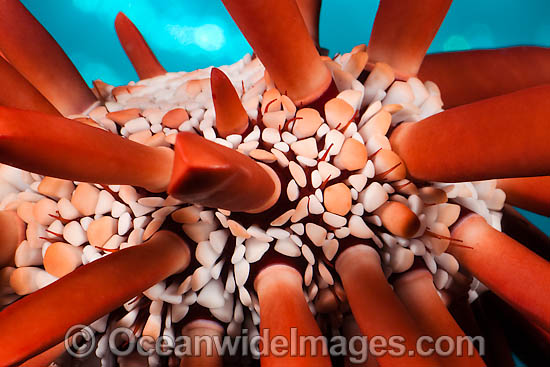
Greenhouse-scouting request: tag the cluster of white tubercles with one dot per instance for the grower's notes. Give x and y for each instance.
(339, 178)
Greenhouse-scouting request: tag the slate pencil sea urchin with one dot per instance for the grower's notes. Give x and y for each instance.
(278, 192)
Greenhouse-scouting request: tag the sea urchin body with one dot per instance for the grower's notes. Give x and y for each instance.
(248, 197)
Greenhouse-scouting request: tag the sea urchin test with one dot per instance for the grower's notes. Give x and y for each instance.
(243, 195)
(330, 182)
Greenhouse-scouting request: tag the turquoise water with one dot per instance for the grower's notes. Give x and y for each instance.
(186, 35)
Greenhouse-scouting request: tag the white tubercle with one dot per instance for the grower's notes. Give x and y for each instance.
(287, 247)
(298, 174)
(316, 233)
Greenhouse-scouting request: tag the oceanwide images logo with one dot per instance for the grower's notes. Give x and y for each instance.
(81, 342)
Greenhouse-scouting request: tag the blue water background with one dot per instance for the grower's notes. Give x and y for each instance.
(186, 35)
